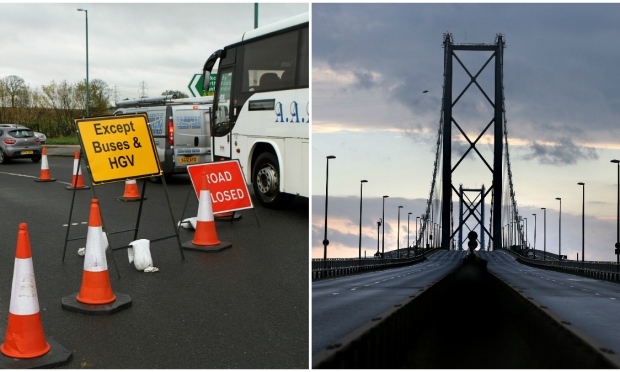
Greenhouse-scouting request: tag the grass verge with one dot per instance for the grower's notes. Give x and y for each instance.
(62, 141)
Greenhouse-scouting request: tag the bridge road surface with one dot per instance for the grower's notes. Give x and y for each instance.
(341, 305)
(245, 307)
(591, 305)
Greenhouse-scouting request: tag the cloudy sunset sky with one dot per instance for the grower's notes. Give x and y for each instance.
(371, 64)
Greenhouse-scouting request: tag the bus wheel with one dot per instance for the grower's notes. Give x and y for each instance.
(266, 176)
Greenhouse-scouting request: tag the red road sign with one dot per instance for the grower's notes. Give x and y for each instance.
(229, 192)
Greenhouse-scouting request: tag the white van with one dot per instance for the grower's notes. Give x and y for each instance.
(180, 127)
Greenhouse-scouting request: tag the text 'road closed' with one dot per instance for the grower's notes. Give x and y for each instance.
(226, 184)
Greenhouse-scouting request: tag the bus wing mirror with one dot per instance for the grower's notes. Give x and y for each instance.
(208, 67)
(211, 60)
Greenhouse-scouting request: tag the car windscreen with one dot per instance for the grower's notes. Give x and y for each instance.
(21, 133)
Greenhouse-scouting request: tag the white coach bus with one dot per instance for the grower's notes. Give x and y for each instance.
(261, 108)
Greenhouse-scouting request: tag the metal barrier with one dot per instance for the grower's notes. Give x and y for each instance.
(333, 267)
(593, 269)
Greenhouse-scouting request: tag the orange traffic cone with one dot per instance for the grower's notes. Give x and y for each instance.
(96, 289)
(24, 333)
(205, 236)
(77, 181)
(205, 224)
(131, 191)
(45, 175)
(25, 345)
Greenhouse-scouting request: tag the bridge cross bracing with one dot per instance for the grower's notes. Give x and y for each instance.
(439, 212)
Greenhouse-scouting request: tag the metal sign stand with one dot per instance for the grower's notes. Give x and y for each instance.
(105, 230)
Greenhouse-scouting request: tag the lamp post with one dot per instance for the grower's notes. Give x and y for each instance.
(360, 250)
(416, 233)
(87, 90)
(383, 230)
(526, 238)
(426, 229)
(378, 225)
(618, 219)
(325, 241)
(583, 221)
(560, 232)
(408, 216)
(534, 214)
(545, 235)
(398, 233)
(424, 234)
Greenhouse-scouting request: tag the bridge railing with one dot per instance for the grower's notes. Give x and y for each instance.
(332, 267)
(604, 270)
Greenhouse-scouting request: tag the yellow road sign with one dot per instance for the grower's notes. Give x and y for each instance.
(118, 147)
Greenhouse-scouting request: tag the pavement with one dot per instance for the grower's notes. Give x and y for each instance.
(245, 307)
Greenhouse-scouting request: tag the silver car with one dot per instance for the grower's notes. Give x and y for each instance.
(17, 142)
(41, 136)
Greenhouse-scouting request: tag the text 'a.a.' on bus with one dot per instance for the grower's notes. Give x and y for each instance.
(261, 110)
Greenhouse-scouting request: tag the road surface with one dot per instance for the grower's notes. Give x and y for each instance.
(340, 305)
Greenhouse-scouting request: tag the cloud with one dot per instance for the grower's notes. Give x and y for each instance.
(564, 152)
(365, 79)
(556, 74)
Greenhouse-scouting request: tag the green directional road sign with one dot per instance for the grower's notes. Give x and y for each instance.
(196, 85)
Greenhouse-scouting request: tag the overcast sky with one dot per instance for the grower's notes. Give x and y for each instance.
(158, 46)
(371, 64)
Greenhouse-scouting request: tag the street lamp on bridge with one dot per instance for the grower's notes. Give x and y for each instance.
(560, 232)
(545, 235)
(583, 219)
(360, 249)
(378, 225)
(534, 214)
(325, 241)
(398, 233)
(408, 215)
(618, 219)
(416, 233)
(383, 229)
(527, 245)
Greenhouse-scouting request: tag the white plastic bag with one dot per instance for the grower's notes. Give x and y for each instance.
(189, 223)
(140, 254)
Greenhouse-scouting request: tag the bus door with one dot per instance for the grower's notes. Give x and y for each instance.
(221, 130)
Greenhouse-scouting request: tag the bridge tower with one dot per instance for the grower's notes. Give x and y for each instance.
(497, 49)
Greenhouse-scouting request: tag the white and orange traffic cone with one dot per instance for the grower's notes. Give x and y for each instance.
(96, 295)
(24, 333)
(25, 344)
(77, 181)
(206, 233)
(45, 175)
(205, 236)
(131, 191)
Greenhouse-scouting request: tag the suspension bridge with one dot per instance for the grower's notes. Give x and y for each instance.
(443, 305)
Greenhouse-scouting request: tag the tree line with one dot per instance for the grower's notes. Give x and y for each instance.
(52, 108)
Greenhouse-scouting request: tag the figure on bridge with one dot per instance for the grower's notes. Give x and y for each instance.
(472, 243)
